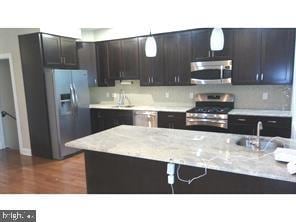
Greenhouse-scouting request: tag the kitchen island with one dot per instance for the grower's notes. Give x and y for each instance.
(132, 159)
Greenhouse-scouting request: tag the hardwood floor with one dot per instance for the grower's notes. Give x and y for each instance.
(30, 175)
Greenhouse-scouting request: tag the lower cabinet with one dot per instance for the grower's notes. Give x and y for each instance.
(173, 120)
(116, 174)
(272, 126)
(102, 119)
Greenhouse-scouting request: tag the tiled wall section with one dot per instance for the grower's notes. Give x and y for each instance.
(279, 97)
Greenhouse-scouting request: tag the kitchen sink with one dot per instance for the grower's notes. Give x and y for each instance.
(265, 144)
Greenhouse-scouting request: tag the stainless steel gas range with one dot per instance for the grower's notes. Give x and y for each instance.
(210, 112)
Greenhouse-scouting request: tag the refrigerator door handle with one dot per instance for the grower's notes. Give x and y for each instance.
(75, 96)
(72, 96)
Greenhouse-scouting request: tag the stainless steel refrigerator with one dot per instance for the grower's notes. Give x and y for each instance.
(68, 107)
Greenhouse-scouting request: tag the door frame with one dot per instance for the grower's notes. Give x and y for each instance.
(8, 56)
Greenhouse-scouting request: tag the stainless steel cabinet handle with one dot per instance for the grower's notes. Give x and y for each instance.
(122, 73)
(178, 78)
(241, 120)
(171, 116)
(272, 121)
(152, 79)
(209, 53)
(262, 76)
(148, 79)
(95, 80)
(257, 77)
(175, 78)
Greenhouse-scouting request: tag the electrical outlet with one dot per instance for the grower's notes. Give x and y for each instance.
(107, 94)
(167, 95)
(265, 96)
(191, 95)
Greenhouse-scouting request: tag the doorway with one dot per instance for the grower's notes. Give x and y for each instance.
(8, 123)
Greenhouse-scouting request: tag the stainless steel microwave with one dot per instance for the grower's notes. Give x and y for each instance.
(211, 72)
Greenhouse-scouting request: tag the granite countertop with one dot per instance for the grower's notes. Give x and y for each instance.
(181, 109)
(217, 151)
(258, 112)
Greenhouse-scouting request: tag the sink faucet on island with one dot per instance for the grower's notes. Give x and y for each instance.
(134, 154)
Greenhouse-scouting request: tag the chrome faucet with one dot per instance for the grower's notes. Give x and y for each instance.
(121, 98)
(259, 128)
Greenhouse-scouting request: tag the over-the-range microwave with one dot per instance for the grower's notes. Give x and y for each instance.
(211, 71)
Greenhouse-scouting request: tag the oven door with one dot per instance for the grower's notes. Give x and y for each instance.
(211, 72)
(209, 125)
(219, 123)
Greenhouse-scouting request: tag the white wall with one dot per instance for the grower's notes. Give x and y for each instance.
(7, 104)
(9, 44)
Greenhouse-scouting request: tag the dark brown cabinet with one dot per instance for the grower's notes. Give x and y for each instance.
(59, 52)
(201, 44)
(272, 126)
(173, 120)
(103, 65)
(277, 56)
(263, 56)
(87, 60)
(177, 58)
(151, 68)
(123, 58)
(102, 119)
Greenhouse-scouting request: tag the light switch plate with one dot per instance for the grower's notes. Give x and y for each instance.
(265, 96)
(167, 95)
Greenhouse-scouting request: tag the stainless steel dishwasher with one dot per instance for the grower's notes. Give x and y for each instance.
(145, 118)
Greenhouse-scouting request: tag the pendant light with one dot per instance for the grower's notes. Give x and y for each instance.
(150, 46)
(217, 39)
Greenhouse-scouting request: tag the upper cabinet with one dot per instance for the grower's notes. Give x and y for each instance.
(87, 60)
(263, 56)
(59, 52)
(151, 68)
(201, 44)
(177, 58)
(103, 65)
(123, 58)
(277, 56)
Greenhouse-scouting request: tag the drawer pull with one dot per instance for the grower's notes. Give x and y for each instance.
(272, 121)
(242, 120)
(171, 116)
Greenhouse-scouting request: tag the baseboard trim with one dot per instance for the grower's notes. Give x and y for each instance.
(26, 152)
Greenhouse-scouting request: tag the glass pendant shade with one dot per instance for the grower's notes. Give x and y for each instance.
(217, 39)
(150, 47)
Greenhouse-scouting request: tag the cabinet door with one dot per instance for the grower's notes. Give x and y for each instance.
(103, 64)
(246, 58)
(151, 68)
(97, 120)
(277, 56)
(69, 52)
(227, 51)
(87, 61)
(201, 43)
(130, 58)
(184, 58)
(115, 118)
(172, 120)
(51, 50)
(171, 67)
(114, 57)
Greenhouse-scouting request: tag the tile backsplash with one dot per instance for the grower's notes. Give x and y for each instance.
(252, 97)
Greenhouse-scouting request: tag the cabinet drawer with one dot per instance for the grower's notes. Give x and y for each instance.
(171, 115)
(278, 122)
(242, 120)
